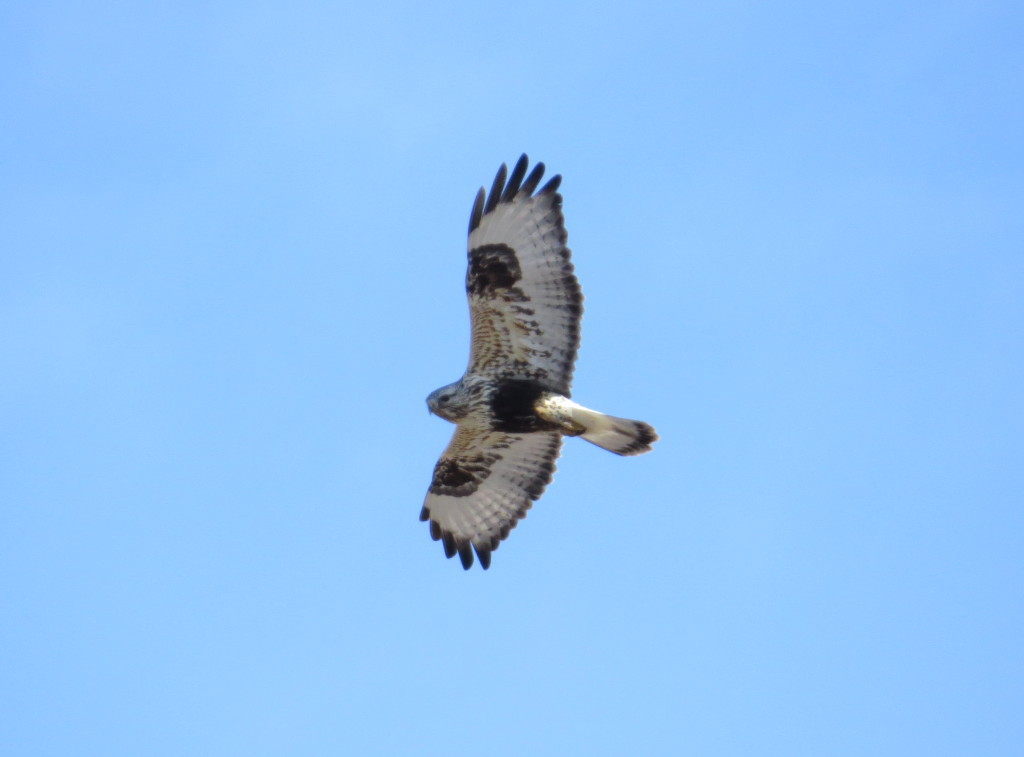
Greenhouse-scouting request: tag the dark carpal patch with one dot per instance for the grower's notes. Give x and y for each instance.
(458, 478)
(451, 475)
(513, 407)
(485, 542)
(492, 267)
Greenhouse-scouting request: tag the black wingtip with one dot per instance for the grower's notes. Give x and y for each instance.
(466, 555)
(533, 179)
(552, 186)
(485, 556)
(450, 547)
(496, 189)
(507, 187)
(478, 210)
(516, 178)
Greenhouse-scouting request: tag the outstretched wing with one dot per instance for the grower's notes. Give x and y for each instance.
(525, 303)
(483, 484)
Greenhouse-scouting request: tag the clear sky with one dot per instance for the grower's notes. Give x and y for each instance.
(232, 242)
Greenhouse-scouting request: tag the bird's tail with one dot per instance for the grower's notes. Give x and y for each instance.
(619, 435)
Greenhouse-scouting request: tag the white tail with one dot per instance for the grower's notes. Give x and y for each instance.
(619, 435)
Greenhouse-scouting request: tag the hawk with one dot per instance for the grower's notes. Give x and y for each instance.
(511, 407)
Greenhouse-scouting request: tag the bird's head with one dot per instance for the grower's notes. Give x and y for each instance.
(446, 402)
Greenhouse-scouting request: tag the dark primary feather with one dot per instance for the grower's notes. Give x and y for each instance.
(506, 192)
(515, 179)
(466, 554)
(496, 187)
(553, 185)
(464, 548)
(478, 210)
(533, 179)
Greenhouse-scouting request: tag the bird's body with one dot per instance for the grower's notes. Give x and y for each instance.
(512, 406)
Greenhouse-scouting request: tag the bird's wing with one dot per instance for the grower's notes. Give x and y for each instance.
(483, 484)
(525, 302)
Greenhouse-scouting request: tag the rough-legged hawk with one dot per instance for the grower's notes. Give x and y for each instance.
(512, 406)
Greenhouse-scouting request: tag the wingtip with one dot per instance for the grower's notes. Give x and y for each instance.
(461, 547)
(552, 186)
(533, 180)
(515, 179)
(506, 187)
(496, 189)
(485, 556)
(478, 210)
(466, 555)
(448, 541)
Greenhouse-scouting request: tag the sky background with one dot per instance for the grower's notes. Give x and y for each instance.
(232, 244)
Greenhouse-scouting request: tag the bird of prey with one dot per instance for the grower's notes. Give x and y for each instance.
(511, 407)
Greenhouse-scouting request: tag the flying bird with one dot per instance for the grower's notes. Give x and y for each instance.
(511, 407)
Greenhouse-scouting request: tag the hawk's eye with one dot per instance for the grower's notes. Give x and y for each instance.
(444, 398)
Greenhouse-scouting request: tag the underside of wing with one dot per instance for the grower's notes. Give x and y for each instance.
(524, 299)
(483, 484)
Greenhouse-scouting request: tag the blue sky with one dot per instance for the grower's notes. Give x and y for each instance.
(232, 242)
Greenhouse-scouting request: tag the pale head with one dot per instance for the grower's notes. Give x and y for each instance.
(448, 402)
